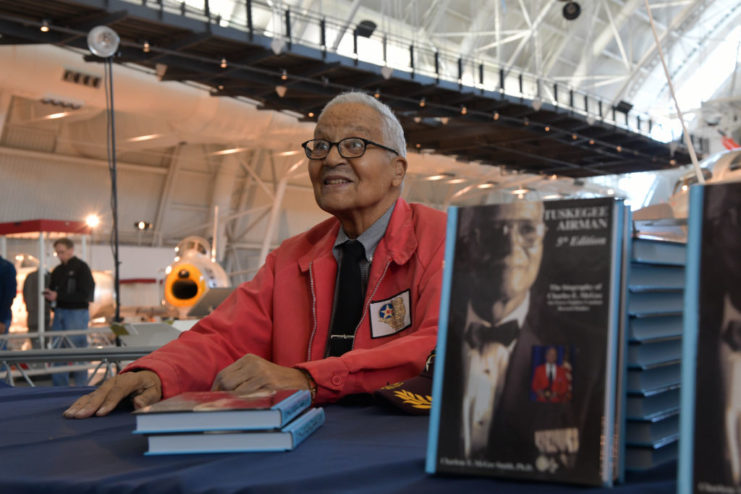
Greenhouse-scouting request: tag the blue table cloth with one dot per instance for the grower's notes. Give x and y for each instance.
(360, 449)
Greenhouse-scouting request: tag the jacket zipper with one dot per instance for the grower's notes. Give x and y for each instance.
(313, 311)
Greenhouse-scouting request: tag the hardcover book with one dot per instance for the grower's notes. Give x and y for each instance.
(221, 410)
(526, 369)
(710, 449)
(641, 458)
(653, 431)
(652, 377)
(644, 405)
(659, 251)
(238, 441)
(655, 326)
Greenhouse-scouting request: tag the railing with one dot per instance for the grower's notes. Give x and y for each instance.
(402, 54)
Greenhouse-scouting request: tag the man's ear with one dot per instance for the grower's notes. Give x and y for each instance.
(399, 165)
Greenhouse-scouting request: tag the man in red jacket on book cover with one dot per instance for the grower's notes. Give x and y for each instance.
(286, 328)
(551, 381)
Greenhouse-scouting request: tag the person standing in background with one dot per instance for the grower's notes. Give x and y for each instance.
(72, 289)
(31, 299)
(8, 287)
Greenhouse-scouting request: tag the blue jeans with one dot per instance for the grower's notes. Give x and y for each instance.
(65, 319)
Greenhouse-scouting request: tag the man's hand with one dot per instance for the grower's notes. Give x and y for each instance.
(50, 295)
(2, 327)
(144, 387)
(252, 373)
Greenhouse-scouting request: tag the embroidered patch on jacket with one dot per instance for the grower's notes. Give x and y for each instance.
(391, 315)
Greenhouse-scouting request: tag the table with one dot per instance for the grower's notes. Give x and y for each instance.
(360, 449)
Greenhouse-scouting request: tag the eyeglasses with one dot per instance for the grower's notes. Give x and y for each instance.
(349, 147)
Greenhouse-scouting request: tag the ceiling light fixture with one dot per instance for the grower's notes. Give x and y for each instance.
(44, 26)
(496, 115)
(422, 103)
(284, 75)
(464, 110)
(223, 63)
(145, 47)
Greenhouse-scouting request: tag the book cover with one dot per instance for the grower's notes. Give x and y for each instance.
(221, 410)
(654, 303)
(527, 343)
(659, 251)
(643, 405)
(652, 352)
(641, 458)
(655, 277)
(652, 377)
(651, 327)
(710, 449)
(218, 441)
(653, 431)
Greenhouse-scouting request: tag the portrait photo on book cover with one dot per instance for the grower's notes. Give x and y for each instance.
(523, 384)
(718, 385)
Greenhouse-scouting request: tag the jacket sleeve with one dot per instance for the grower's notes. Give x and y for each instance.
(241, 324)
(366, 370)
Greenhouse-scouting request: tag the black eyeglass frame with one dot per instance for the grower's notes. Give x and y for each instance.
(339, 149)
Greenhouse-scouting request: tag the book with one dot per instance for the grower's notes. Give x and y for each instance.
(655, 277)
(641, 458)
(651, 352)
(231, 441)
(641, 379)
(221, 410)
(549, 412)
(644, 405)
(653, 431)
(653, 326)
(659, 251)
(648, 303)
(710, 449)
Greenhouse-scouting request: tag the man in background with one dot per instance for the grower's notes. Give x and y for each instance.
(8, 287)
(71, 289)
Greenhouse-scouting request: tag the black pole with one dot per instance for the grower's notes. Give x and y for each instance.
(114, 191)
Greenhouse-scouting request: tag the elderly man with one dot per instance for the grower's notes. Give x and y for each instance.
(344, 308)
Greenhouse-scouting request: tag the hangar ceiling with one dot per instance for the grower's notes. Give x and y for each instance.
(506, 83)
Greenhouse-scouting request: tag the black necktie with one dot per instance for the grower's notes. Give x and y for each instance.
(550, 376)
(349, 299)
(479, 334)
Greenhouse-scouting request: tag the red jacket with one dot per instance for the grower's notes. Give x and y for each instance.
(559, 389)
(283, 314)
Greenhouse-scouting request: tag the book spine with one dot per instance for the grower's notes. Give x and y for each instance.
(293, 405)
(622, 360)
(437, 381)
(689, 341)
(305, 425)
(618, 219)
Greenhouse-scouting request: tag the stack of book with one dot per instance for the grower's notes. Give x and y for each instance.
(654, 306)
(224, 422)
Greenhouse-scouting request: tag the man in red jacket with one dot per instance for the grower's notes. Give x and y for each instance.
(285, 328)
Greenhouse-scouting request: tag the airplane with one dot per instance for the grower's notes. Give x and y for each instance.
(721, 167)
(193, 273)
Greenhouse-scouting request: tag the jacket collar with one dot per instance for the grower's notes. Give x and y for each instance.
(398, 243)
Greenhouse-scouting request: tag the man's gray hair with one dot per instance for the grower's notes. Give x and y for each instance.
(393, 133)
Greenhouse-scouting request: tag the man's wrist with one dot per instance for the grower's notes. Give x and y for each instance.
(310, 382)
